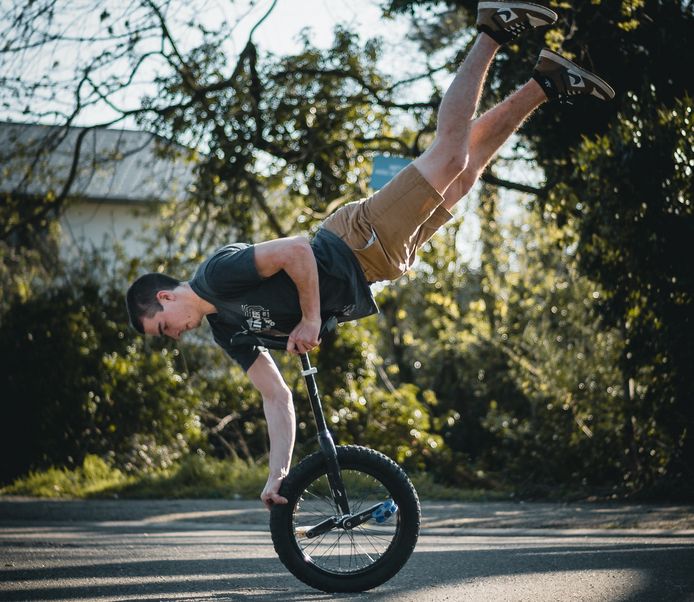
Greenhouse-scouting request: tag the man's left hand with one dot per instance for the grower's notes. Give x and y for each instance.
(270, 495)
(304, 337)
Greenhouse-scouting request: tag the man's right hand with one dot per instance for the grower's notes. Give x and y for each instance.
(304, 337)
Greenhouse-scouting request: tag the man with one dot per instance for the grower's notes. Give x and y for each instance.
(290, 284)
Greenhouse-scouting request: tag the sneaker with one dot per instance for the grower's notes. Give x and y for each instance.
(561, 79)
(503, 21)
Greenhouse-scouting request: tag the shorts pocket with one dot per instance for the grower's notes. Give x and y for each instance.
(376, 263)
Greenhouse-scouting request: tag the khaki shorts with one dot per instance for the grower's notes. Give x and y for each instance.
(385, 230)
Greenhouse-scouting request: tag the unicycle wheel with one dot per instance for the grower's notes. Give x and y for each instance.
(344, 559)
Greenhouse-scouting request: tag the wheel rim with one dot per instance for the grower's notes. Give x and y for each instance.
(340, 551)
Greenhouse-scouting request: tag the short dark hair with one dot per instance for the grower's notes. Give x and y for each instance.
(141, 298)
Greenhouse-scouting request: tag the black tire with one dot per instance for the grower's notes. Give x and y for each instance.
(369, 476)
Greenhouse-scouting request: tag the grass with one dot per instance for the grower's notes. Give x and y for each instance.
(194, 477)
(92, 478)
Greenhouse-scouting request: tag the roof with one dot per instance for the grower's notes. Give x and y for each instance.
(114, 165)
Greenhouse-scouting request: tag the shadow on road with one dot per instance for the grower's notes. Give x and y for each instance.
(221, 550)
(665, 573)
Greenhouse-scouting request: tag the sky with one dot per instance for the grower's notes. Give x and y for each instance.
(278, 33)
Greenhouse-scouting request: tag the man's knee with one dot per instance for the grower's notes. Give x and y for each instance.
(442, 163)
(467, 179)
(452, 151)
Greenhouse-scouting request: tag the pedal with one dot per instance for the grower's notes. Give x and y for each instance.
(385, 511)
(301, 532)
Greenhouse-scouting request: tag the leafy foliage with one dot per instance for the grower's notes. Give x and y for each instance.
(619, 178)
(77, 385)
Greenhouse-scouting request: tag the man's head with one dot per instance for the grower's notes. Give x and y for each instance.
(160, 305)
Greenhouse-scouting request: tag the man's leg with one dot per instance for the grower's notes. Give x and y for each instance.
(448, 155)
(489, 133)
(554, 78)
(498, 22)
(385, 246)
(385, 230)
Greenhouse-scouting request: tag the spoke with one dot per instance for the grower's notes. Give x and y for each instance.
(353, 551)
(313, 543)
(373, 545)
(322, 498)
(366, 543)
(376, 535)
(311, 547)
(332, 547)
(364, 552)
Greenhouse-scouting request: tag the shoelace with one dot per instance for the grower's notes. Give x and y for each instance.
(519, 26)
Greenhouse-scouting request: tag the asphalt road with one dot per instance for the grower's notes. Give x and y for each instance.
(220, 550)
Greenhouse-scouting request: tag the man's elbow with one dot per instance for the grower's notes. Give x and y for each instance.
(302, 246)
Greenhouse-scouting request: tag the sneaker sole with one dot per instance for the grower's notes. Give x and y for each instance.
(547, 12)
(591, 77)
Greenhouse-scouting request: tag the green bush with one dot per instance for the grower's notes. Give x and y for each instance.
(201, 476)
(92, 478)
(194, 476)
(75, 382)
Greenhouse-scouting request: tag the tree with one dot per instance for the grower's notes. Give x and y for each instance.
(619, 175)
(308, 119)
(636, 234)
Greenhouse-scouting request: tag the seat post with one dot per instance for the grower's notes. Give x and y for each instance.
(308, 373)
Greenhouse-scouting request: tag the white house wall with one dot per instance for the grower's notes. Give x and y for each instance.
(103, 225)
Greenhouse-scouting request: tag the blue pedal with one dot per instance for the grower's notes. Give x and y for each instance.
(385, 511)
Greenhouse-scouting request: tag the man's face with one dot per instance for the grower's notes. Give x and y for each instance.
(178, 316)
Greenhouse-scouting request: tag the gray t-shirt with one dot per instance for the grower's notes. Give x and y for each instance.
(245, 301)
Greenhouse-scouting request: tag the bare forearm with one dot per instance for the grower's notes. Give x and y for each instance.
(295, 257)
(279, 415)
(303, 271)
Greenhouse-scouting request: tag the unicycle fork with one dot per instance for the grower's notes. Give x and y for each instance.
(325, 438)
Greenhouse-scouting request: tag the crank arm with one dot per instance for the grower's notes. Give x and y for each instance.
(323, 527)
(346, 522)
(350, 522)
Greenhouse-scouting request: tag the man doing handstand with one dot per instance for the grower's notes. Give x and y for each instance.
(291, 285)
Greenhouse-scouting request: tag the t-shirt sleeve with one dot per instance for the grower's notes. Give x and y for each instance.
(232, 270)
(223, 332)
(245, 357)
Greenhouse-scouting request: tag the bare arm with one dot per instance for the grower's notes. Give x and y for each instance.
(295, 256)
(279, 413)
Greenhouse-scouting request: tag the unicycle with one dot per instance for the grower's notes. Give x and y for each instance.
(353, 515)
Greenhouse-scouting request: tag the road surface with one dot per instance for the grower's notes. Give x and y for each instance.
(220, 550)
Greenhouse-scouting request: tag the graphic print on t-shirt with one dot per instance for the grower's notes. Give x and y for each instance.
(257, 317)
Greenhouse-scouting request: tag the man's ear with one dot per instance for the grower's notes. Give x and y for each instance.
(163, 296)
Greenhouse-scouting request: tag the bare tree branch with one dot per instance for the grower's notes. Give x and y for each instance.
(492, 179)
